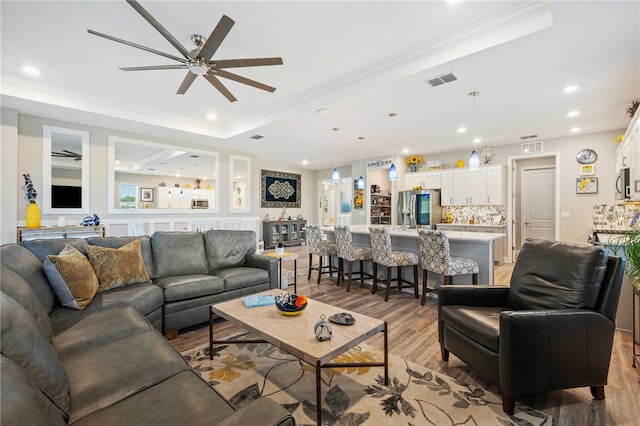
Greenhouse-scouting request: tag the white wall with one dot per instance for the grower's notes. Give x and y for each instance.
(9, 182)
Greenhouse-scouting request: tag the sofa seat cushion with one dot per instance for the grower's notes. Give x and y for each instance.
(22, 342)
(145, 297)
(110, 373)
(189, 286)
(99, 328)
(22, 402)
(241, 277)
(183, 399)
(480, 323)
(178, 253)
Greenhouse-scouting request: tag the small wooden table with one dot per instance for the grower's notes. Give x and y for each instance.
(295, 335)
(286, 256)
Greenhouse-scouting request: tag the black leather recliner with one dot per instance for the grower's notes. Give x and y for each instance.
(551, 329)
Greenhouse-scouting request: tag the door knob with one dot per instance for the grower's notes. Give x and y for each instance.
(526, 223)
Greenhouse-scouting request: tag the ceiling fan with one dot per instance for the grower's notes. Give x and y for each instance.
(67, 154)
(198, 61)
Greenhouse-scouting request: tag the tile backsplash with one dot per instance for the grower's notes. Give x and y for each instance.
(481, 215)
(614, 216)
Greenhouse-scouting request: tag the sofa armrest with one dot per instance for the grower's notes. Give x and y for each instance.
(263, 262)
(473, 295)
(260, 412)
(553, 349)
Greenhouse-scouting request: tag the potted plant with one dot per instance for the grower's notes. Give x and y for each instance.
(413, 162)
(629, 247)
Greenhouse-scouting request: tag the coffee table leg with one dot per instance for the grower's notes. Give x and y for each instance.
(318, 393)
(280, 265)
(386, 356)
(210, 333)
(295, 276)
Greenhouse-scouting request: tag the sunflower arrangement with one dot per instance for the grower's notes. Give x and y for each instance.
(414, 159)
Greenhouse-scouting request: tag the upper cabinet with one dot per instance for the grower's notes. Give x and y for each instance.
(463, 187)
(147, 177)
(446, 182)
(425, 180)
(628, 155)
(496, 187)
(65, 171)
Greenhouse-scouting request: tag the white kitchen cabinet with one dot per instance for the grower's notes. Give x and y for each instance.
(469, 187)
(496, 188)
(425, 180)
(446, 192)
(628, 155)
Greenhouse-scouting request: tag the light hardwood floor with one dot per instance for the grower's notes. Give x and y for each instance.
(413, 335)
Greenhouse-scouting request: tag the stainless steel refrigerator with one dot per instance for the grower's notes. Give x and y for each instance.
(419, 209)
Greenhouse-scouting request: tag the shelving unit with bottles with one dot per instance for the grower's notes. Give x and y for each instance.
(380, 209)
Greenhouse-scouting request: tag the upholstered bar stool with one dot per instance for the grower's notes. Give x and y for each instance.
(384, 256)
(320, 248)
(350, 253)
(436, 257)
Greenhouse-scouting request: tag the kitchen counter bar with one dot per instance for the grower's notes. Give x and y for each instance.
(471, 245)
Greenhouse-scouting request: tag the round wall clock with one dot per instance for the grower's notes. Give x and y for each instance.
(586, 156)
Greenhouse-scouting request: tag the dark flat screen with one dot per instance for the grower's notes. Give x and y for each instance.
(66, 197)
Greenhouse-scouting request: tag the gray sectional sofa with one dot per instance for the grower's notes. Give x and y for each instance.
(108, 364)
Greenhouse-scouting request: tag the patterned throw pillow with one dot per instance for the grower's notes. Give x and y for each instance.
(118, 267)
(72, 278)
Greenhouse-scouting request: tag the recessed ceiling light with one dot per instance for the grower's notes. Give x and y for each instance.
(211, 116)
(570, 89)
(405, 151)
(305, 162)
(573, 113)
(177, 174)
(462, 130)
(117, 161)
(28, 69)
(575, 129)
(477, 140)
(238, 177)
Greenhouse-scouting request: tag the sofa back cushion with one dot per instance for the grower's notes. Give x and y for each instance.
(556, 275)
(28, 266)
(22, 342)
(178, 253)
(117, 242)
(22, 402)
(20, 291)
(43, 248)
(228, 249)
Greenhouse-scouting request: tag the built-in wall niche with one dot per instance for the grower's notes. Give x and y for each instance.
(240, 178)
(65, 171)
(152, 178)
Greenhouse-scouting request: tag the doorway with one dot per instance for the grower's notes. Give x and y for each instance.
(533, 207)
(335, 202)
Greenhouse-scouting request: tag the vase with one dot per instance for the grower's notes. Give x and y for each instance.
(32, 218)
(413, 168)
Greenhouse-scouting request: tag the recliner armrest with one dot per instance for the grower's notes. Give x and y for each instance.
(553, 349)
(473, 295)
(260, 412)
(253, 260)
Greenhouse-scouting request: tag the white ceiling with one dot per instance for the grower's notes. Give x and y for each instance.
(361, 60)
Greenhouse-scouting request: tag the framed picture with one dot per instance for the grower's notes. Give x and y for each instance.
(146, 195)
(345, 201)
(279, 189)
(358, 196)
(587, 170)
(587, 185)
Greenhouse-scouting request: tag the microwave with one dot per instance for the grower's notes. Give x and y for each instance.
(623, 184)
(200, 204)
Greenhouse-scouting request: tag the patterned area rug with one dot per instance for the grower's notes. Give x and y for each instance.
(353, 396)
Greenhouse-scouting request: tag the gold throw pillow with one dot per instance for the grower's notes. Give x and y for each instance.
(118, 267)
(72, 277)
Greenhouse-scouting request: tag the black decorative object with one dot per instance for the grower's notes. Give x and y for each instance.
(343, 318)
(279, 189)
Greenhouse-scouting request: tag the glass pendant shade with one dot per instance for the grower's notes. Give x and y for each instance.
(335, 176)
(360, 182)
(474, 160)
(393, 172)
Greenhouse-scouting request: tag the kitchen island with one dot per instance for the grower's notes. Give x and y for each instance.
(471, 245)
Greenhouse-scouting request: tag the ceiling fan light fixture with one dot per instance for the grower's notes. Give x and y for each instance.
(198, 68)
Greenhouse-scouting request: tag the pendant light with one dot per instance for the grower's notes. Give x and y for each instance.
(335, 176)
(393, 172)
(360, 181)
(474, 160)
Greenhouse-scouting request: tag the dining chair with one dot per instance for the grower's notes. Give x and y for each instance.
(321, 248)
(351, 253)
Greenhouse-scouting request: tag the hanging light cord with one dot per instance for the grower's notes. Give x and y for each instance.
(393, 133)
(335, 147)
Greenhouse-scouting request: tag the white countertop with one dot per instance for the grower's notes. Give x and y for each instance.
(484, 225)
(413, 233)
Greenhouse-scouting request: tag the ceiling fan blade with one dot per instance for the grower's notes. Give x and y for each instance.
(186, 83)
(236, 63)
(216, 38)
(218, 85)
(155, 24)
(244, 80)
(156, 67)
(138, 46)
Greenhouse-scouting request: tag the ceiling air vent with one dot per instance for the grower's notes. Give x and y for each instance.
(256, 137)
(442, 79)
(528, 137)
(532, 147)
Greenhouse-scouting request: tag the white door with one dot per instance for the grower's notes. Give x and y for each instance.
(538, 204)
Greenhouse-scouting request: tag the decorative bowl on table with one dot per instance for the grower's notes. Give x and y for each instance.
(291, 304)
